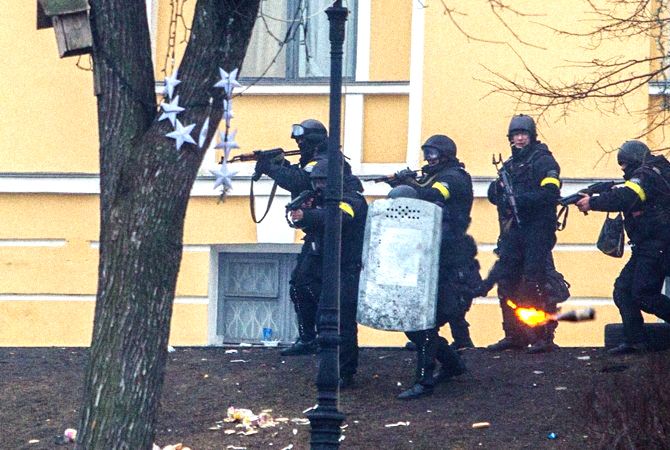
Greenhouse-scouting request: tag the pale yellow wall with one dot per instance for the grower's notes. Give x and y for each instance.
(48, 108)
(385, 129)
(390, 30)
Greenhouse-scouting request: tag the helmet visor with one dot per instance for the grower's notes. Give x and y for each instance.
(297, 131)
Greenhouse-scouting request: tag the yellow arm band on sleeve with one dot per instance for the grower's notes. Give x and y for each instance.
(550, 180)
(346, 207)
(637, 189)
(443, 189)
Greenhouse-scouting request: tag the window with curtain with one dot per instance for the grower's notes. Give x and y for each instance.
(290, 42)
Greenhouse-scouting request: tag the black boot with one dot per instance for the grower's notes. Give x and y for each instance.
(627, 349)
(449, 369)
(300, 348)
(506, 343)
(416, 391)
(545, 339)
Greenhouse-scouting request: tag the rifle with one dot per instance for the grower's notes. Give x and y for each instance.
(263, 154)
(503, 175)
(297, 203)
(595, 188)
(389, 178)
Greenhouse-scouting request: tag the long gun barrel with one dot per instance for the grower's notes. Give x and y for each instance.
(388, 178)
(595, 188)
(261, 154)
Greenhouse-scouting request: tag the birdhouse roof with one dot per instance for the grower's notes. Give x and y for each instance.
(60, 7)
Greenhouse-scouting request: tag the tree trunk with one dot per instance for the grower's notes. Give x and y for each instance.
(145, 186)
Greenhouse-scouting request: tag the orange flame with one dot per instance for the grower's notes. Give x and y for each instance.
(530, 316)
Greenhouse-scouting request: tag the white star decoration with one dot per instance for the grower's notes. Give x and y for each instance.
(170, 83)
(228, 81)
(181, 134)
(203, 133)
(171, 110)
(227, 144)
(223, 177)
(227, 110)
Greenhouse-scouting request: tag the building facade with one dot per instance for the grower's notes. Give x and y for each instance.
(411, 70)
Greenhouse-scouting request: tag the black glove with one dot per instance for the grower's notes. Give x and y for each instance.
(263, 166)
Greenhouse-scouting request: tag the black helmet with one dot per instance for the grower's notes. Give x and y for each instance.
(319, 170)
(632, 153)
(311, 130)
(522, 122)
(402, 191)
(445, 146)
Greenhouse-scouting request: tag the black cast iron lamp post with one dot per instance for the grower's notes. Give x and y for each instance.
(325, 419)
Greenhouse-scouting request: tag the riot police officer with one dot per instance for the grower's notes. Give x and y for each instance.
(354, 209)
(645, 201)
(305, 283)
(444, 182)
(527, 235)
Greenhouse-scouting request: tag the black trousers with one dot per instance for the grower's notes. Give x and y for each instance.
(305, 290)
(638, 288)
(523, 252)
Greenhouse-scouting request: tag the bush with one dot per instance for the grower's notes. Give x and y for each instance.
(630, 409)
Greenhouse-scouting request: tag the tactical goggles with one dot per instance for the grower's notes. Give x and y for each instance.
(430, 153)
(297, 131)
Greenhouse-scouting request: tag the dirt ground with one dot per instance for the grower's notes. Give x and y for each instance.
(525, 398)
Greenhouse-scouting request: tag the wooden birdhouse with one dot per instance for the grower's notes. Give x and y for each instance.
(69, 19)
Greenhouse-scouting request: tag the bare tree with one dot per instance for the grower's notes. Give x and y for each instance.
(145, 186)
(604, 81)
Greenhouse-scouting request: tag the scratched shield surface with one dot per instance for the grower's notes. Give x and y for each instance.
(401, 251)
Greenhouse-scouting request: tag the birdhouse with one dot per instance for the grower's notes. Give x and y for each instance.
(69, 19)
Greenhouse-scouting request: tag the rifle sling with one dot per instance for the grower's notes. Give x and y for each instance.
(252, 202)
(562, 217)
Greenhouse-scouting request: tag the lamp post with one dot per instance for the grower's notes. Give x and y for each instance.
(325, 419)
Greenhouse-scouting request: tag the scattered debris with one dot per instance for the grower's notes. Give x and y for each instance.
(561, 388)
(310, 408)
(171, 349)
(398, 383)
(33, 441)
(538, 372)
(206, 375)
(496, 357)
(294, 431)
(229, 432)
(288, 447)
(478, 425)
(233, 447)
(245, 344)
(584, 358)
(343, 437)
(300, 421)
(552, 435)
(397, 424)
(238, 360)
(228, 352)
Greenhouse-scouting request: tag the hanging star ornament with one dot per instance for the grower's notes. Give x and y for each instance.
(170, 83)
(203, 133)
(224, 177)
(171, 110)
(227, 110)
(228, 81)
(182, 134)
(227, 142)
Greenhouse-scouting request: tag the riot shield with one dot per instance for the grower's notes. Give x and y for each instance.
(401, 251)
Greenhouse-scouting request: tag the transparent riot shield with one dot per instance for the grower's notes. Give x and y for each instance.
(401, 251)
